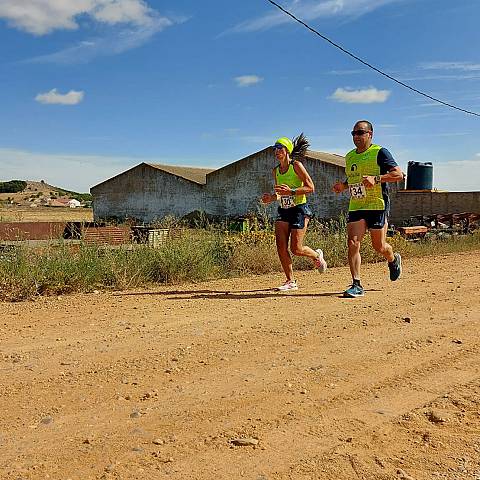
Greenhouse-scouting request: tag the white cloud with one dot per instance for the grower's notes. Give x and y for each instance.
(115, 42)
(443, 71)
(260, 141)
(232, 131)
(347, 72)
(458, 175)
(73, 172)
(124, 11)
(54, 98)
(437, 113)
(440, 76)
(126, 24)
(247, 80)
(462, 66)
(368, 95)
(40, 17)
(308, 10)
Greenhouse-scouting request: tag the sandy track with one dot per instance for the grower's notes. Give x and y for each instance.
(153, 385)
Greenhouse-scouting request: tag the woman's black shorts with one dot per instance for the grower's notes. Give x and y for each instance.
(295, 216)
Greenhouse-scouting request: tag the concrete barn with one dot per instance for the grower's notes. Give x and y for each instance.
(149, 192)
(236, 188)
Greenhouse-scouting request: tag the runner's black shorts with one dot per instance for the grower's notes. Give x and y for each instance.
(295, 216)
(375, 219)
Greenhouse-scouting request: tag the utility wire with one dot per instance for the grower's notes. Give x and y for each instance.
(368, 64)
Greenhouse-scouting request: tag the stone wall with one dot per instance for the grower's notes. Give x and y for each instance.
(406, 204)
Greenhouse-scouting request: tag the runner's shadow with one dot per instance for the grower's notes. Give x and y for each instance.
(228, 295)
(170, 292)
(243, 295)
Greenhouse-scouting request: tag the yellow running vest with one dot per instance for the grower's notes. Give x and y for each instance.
(357, 166)
(291, 179)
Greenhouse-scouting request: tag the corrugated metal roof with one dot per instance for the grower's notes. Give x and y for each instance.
(329, 158)
(197, 175)
(326, 157)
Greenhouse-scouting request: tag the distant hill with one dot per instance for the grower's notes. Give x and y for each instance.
(13, 191)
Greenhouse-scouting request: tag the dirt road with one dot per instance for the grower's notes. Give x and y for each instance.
(159, 384)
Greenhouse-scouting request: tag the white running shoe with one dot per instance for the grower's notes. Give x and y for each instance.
(320, 262)
(288, 286)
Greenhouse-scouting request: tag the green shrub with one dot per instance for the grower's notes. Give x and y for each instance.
(13, 186)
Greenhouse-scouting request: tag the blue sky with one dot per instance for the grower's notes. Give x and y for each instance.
(91, 88)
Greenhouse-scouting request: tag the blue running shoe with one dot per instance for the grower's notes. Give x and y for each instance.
(395, 267)
(354, 291)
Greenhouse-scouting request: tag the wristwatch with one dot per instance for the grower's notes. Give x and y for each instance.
(294, 191)
(378, 178)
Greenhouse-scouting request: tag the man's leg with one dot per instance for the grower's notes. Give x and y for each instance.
(379, 242)
(355, 232)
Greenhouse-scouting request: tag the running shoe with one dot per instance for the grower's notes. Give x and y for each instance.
(288, 286)
(320, 262)
(354, 291)
(395, 267)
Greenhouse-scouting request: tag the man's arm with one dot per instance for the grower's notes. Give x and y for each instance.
(339, 187)
(389, 169)
(394, 175)
(390, 172)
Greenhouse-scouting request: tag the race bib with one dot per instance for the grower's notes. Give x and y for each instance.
(357, 190)
(287, 202)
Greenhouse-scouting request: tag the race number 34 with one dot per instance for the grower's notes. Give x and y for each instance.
(357, 190)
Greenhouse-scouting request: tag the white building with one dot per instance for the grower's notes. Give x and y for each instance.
(73, 203)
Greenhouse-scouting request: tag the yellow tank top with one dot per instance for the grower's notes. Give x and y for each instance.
(358, 165)
(291, 179)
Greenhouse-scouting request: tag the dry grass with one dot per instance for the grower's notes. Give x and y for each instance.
(45, 214)
(197, 255)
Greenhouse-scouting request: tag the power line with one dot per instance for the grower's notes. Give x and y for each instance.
(336, 45)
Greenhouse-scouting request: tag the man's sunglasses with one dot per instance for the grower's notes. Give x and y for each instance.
(359, 132)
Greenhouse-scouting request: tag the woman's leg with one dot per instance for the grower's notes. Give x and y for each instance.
(296, 242)
(282, 234)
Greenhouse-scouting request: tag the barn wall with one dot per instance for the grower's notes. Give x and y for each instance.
(146, 194)
(237, 188)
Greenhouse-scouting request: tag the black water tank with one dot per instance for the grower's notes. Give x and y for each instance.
(420, 176)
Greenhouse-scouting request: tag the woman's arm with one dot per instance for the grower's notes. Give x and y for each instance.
(308, 186)
(270, 197)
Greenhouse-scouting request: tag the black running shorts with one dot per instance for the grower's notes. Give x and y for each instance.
(295, 216)
(375, 219)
